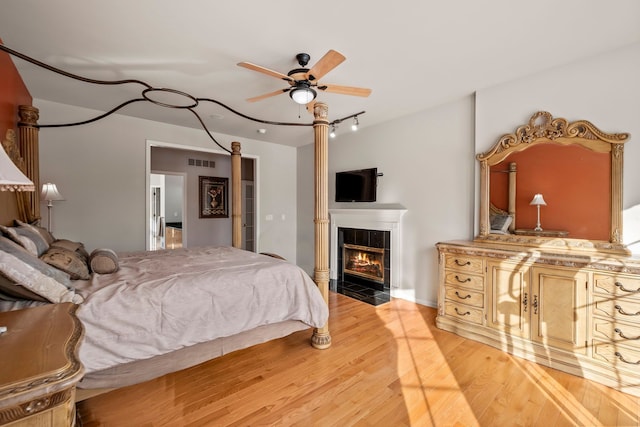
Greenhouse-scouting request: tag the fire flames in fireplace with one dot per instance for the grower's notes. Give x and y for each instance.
(364, 261)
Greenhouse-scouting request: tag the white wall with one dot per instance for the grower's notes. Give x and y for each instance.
(428, 159)
(100, 170)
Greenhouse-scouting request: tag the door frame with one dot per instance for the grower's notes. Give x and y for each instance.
(152, 143)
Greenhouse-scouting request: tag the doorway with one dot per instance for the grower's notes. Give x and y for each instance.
(167, 206)
(165, 159)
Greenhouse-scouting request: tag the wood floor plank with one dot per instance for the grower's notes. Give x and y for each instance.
(387, 366)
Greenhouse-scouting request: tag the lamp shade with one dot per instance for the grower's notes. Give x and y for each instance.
(302, 95)
(11, 178)
(50, 192)
(538, 200)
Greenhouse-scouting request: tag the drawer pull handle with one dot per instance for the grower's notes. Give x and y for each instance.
(468, 279)
(466, 313)
(525, 301)
(622, 288)
(462, 264)
(462, 297)
(623, 336)
(621, 311)
(535, 304)
(617, 353)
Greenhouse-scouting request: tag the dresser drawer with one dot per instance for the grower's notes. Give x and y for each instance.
(457, 278)
(464, 263)
(463, 312)
(464, 296)
(619, 308)
(617, 332)
(617, 285)
(617, 355)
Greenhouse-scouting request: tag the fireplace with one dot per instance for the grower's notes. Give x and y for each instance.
(378, 228)
(363, 261)
(364, 257)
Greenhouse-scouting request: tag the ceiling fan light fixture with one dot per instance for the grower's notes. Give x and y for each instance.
(302, 94)
(354, 126)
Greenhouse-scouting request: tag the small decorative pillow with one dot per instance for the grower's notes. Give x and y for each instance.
(104, 261)
(71, 262)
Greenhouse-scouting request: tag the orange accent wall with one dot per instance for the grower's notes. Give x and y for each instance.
(574, 181)
(13, 92)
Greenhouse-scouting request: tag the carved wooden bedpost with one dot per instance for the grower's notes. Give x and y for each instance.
(321, 338)
(28, 137)
(236, 198)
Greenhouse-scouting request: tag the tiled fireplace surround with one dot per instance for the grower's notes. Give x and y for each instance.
(368, 219)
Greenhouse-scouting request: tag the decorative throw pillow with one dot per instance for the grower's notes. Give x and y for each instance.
(46, 235)
(25, 271)
(104, 261)
(25, 242)
(71, 262)
(71, 246)
(501, 222)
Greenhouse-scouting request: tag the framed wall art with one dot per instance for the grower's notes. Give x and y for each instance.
(214, 199)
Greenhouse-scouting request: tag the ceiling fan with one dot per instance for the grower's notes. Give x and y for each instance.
(303, 81)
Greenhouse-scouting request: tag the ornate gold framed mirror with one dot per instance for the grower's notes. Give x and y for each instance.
(570, 173)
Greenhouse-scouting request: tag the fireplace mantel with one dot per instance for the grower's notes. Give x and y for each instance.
(372, 219)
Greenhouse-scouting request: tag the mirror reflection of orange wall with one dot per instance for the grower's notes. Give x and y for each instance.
(13, 92)
(575, 184)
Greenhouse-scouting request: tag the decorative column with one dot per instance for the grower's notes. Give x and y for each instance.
(321, 338)
(484, 199)
(236, 198)
(617, 151)
(28, 141)
(512, 195)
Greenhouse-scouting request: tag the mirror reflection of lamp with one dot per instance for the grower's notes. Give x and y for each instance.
(538, 201)
(49, 194)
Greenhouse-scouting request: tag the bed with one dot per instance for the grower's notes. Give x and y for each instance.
(141, 320)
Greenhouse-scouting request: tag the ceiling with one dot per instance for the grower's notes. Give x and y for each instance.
(414, 55)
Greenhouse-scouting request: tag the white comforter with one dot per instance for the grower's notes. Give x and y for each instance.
(162, 301)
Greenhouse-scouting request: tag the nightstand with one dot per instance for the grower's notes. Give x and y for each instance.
(39, 368)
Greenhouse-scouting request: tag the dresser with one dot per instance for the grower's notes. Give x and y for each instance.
(579, 313)
(39, 368)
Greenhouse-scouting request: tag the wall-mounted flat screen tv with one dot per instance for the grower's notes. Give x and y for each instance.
(357, 185)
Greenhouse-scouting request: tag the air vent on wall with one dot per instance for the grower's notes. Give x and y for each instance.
(201, 163)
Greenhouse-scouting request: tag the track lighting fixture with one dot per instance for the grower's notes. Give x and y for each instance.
(332, 134)
(354, 126)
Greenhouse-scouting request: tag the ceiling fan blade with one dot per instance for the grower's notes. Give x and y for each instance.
(328, 62)
(266, 71)
(268, 95)
(346, 90)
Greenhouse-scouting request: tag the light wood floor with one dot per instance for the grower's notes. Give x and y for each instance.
(388, 366)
